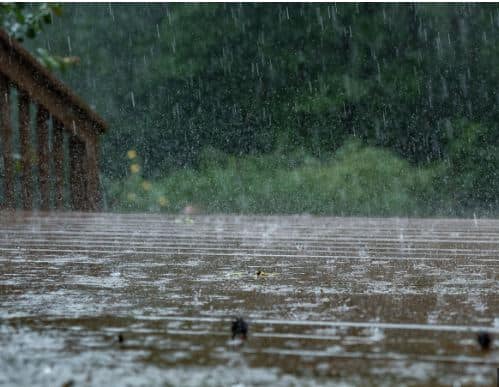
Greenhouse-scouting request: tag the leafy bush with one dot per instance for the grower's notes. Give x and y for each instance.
(356, 180)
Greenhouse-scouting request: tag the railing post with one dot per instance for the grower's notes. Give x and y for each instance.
(58, 162)
(6, 136)
(77, 174)
(26, 154)
(43, 156)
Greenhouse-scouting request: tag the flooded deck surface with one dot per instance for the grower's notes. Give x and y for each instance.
(345, 301)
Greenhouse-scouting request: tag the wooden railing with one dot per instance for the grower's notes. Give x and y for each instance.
(49, 138)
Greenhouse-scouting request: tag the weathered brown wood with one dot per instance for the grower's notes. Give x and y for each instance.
(93, 192)
(21, 68)
(58, 163)
(77, 174)
(43, 157)
(6, 137)
(26, 153)
(70, 115)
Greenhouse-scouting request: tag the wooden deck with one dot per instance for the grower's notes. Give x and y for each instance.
(359, 301)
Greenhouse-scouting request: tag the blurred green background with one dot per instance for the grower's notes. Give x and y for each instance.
(343, 109)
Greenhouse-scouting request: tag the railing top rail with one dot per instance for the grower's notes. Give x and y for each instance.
(18, 55)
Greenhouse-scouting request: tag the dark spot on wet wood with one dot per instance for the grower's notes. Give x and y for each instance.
(239, 328)
(484, 340)
(69, 383)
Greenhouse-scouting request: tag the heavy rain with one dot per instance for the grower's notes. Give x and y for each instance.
(222, 194)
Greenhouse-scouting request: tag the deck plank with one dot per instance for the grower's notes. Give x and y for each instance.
(357, 300)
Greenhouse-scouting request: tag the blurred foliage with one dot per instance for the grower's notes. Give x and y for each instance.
(23, 20)
(179, 81)
(358, 180)
(470, 173)
(136, 192)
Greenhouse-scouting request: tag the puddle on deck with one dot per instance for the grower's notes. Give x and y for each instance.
(346, 301)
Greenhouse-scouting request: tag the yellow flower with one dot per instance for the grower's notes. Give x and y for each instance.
(131, 197)
(131, 154)
(135, 168)
(163, 201)
(146, 186)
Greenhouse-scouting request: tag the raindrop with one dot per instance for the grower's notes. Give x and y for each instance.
(169, 16)
(110, 11)
(438, 44)
(321, 22)
(133, 98)
(445, 91)
(174, 45)
(462, 81)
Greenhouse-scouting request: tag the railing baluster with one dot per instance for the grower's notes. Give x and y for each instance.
(24, 139)
(58, 162)
(43, 156)
(77, 174)
(6, 136)
(93, 192)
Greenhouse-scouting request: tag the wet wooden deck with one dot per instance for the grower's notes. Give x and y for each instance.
(359, 301)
